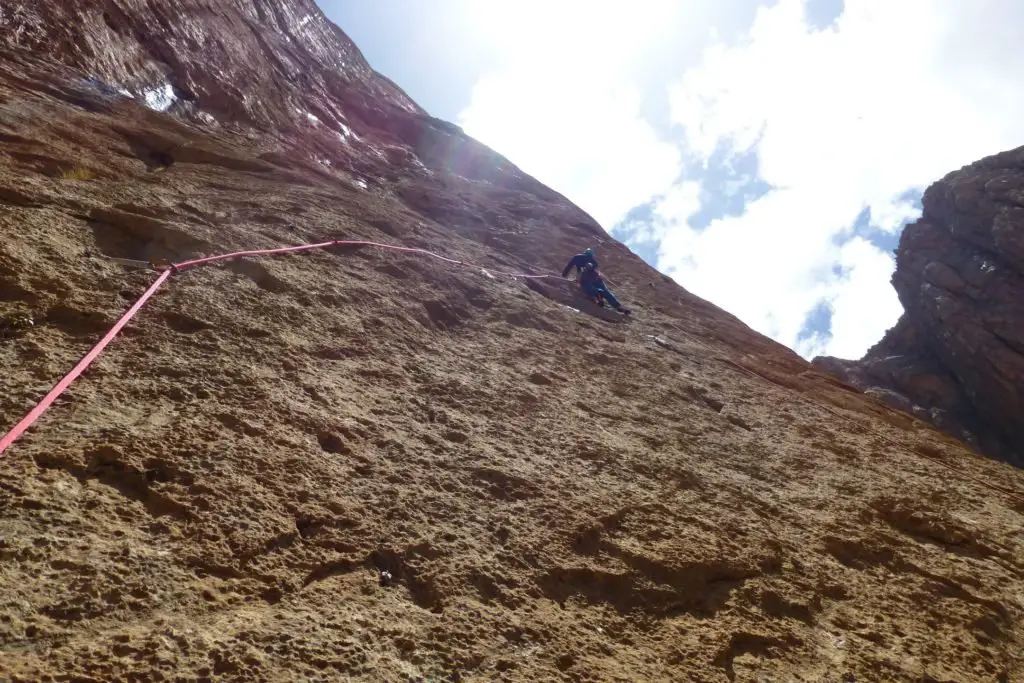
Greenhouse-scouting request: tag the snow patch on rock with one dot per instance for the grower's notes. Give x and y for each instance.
(161, 98)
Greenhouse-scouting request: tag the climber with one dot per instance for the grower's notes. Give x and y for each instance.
(580, 260)
(591, 282)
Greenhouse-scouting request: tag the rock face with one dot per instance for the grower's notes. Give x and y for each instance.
(360, 464)
(956, 358)
(262, 62)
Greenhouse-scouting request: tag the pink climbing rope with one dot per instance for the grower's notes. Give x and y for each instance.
(336, 243)
(61, 386)
(178, 267)
(26, 422)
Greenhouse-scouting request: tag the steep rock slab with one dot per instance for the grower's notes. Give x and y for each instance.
(363, 465)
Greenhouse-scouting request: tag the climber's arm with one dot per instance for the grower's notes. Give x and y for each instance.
(569, 266)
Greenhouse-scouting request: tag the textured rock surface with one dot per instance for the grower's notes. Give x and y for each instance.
(242, 61)
(359, 465)
(956, 358)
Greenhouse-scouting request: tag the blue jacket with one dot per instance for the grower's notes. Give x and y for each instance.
(580, 262)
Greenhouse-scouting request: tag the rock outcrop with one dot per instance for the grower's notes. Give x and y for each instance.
(956, 357)
(359, 464)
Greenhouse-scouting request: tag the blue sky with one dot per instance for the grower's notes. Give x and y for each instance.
(764, 153)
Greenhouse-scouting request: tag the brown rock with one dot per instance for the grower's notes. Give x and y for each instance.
(391, 468)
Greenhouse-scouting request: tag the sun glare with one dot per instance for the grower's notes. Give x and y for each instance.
(571, 30)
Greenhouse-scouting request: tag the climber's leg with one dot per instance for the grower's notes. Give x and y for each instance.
(608, 296)
(591, 289)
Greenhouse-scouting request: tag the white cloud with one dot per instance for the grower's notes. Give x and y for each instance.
(861, 298)
(894, 96)
(774, 276)
(755, 266)
(598, 37)
(891, 216)
(565, 106)
(682, 201)
(577, 132)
